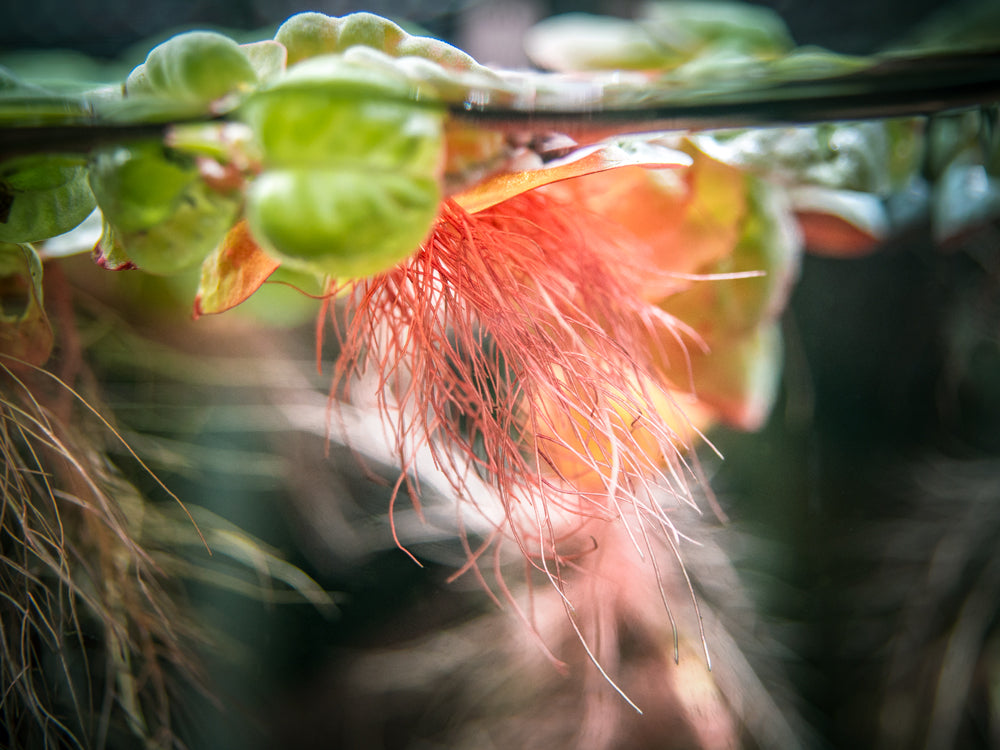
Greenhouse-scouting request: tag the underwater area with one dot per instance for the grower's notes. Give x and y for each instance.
(483, 375)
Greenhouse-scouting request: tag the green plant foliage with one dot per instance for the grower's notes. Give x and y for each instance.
(199, 66)
(311, 34)
(42, 196)
(159, 213)
(342, 223)
(323, 159)
(351, 167)
(667, 36)
(329, 110)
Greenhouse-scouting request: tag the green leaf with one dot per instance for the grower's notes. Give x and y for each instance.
(352, 166)
(690, 28)
(328, 110)
(344, 223)
(308, 35)
(871, 157)
(580, 41)
(139, 186)
(267, 58)
(41, 197)
(164, 217)
(197, 66)
(669, 35)
(109, 253)
(25, 104)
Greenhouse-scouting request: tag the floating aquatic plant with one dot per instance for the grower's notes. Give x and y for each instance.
(551, 324)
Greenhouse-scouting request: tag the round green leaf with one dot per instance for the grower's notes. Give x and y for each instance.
(197, 66)
(330, 111)
(139, 186)
(162, 216)
(309, 34)
(187, 236)
(343, 223)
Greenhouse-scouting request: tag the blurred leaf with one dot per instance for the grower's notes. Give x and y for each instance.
(957, 26)
(24, 104)
(308, 35)
(667, 36)
(333, 111)
(165, 216)
(248, 552)
(768, 242)
(580, 41)
(200, 67)
(267, 58)
(139, 186)
(109, 253)
(64, 72)
(42, 196)
(872, 157)
(26, 334)
(693, 27)
(233, 272)
(966, 197)
(839, 223)
(345, 223)
(611, 155)
(80, 239)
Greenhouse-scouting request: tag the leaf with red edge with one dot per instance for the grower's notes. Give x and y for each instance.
(625, 152)
(839, 223)
(108, 253)
(25, 335)
(233, 272)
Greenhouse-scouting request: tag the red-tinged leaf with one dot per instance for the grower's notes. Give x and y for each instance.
(839, 223)
(25, 335)
(833, 237)
(109, 254)
(233, 272)
(587, 161)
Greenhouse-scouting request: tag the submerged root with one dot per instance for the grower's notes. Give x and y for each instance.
(91, 643)
(515, 348)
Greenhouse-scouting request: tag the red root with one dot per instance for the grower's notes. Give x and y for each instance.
(515, 345)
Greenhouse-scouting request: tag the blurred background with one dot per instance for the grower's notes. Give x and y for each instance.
(487, 30)
(864, 517)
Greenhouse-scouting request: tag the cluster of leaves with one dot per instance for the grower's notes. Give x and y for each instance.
(562, 326)
(333, 141)
(330, 147)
